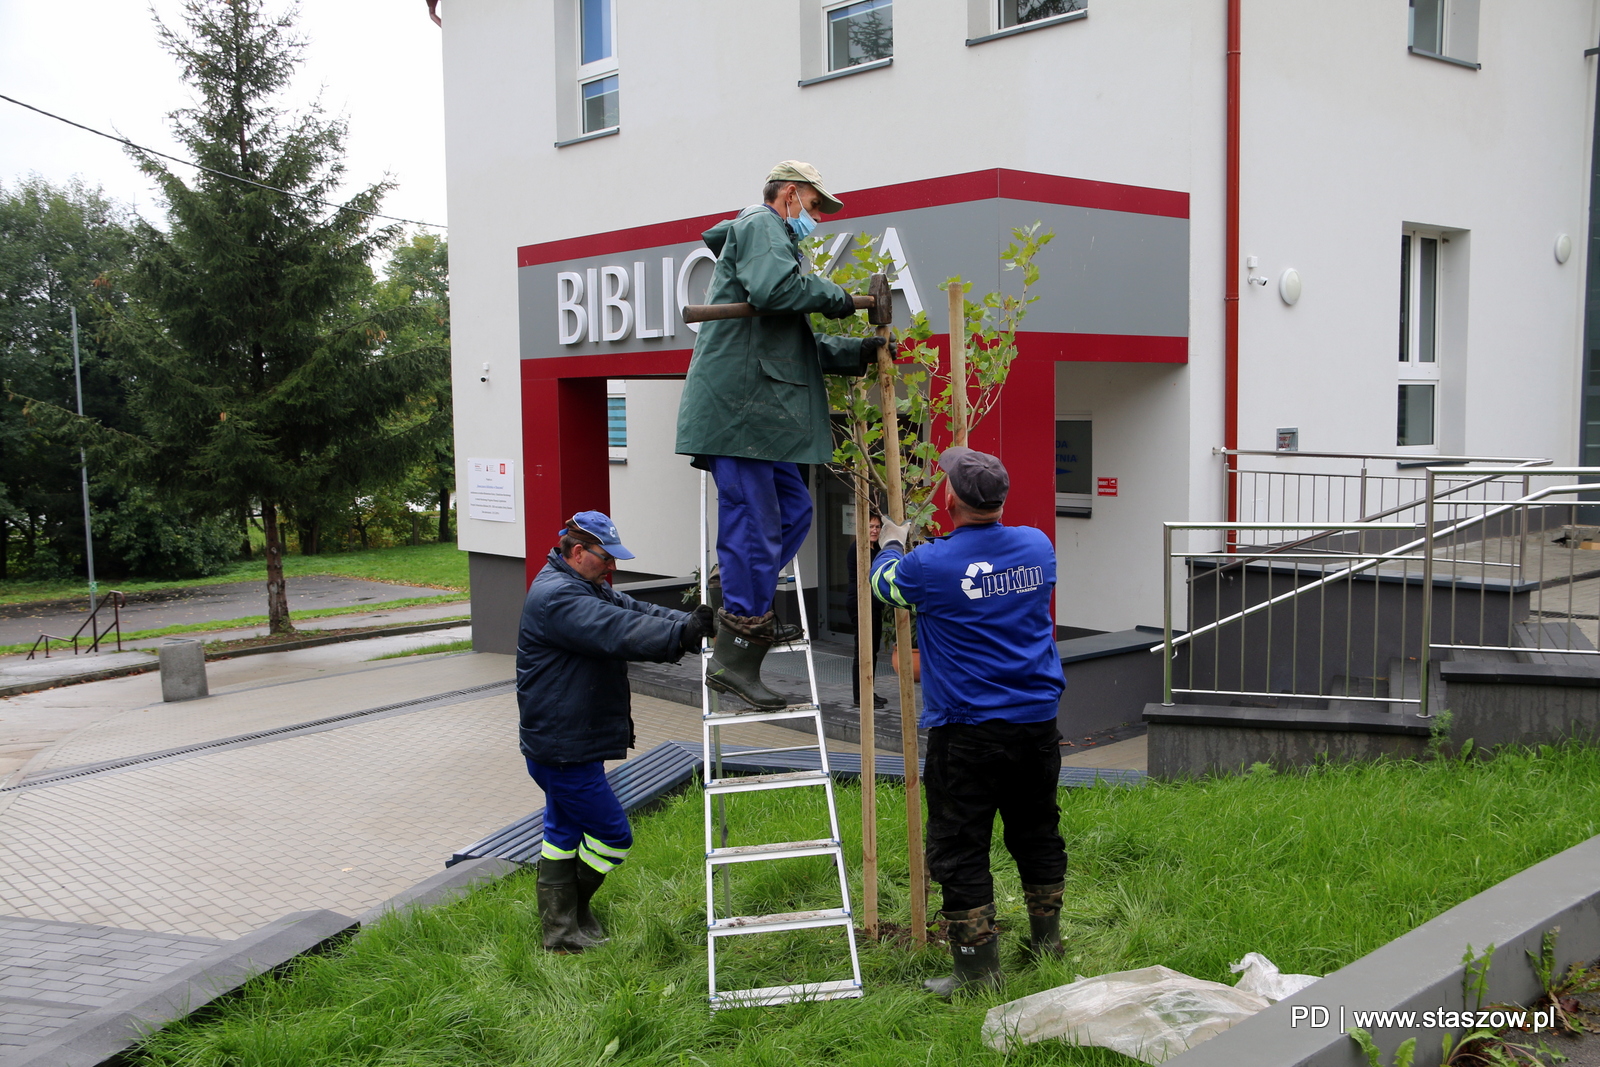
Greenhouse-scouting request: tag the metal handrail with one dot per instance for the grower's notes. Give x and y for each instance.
(1523, 466)
(117, 600)
(1398, 457)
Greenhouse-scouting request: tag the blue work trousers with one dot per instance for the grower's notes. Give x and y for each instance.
(582, 816)
(763, 516)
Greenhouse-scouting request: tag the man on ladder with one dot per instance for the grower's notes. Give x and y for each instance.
(754, 408)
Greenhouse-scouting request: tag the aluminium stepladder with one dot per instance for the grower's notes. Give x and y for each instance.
(719, 855)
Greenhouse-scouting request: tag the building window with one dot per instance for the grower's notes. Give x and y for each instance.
(1445, 29)
(1074, 466)
(1416, 415)
(597, 64)
(617, 420)
(1021, 12)
(1419, 347)
(860, 32)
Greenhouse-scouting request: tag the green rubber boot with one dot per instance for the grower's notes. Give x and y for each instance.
(975, 950)
(1044, 919)
(557, 889)
(589, 882)
(735, 666)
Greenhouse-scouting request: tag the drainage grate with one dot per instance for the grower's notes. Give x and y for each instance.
(171, 753)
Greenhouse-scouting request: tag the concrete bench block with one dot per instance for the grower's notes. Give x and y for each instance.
(183, 671)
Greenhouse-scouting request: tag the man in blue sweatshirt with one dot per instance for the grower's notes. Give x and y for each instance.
(991, 682)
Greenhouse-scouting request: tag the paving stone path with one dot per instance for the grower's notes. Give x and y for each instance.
(53, 972)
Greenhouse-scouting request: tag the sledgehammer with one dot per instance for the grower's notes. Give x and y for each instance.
(878, 302)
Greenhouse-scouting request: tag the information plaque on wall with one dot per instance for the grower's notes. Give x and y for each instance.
(490, 495)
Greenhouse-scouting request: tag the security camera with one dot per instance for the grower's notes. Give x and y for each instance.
(484, 377)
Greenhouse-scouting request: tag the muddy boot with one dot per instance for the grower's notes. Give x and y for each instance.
(782, 635)
(589, 881)
(1044, 919)
(735, 666)
(975, 948)
(557, 889)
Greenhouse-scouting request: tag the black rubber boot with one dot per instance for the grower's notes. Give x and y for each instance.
(1044, 919)
(783, 632)
(735, 666)
(975, 949)
(589, 881)
(557, 888)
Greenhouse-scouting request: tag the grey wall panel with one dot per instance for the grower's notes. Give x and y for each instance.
(1106, 272)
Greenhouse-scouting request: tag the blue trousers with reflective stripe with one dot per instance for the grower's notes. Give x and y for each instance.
(763, 516)
(582, 816)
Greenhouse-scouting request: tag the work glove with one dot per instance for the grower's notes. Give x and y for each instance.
(893, 533)
(869, 352)
(701, 623)
(844, 309)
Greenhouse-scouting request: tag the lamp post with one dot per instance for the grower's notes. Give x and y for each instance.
(83, 469)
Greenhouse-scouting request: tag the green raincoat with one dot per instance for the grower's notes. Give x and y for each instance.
(754, 388)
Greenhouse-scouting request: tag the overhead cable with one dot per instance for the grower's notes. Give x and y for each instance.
(213, 170)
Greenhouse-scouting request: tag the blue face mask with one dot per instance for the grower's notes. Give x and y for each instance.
(803, 225)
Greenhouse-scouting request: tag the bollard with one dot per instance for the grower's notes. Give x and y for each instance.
(183, 671)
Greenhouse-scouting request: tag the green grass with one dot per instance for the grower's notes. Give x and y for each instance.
(1313, 869)
(440, 566)
(256, 620)
(428, 650)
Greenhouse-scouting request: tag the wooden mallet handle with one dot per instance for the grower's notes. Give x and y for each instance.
(710, 312)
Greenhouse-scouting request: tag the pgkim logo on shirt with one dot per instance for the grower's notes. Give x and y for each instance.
(983, 580)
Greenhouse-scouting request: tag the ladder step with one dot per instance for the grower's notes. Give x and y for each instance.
(785, 994)
(776, 851)
(793, 711)
(790, 646)
(787, 920)
(785, 780)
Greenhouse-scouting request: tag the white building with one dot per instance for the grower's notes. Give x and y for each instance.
(589, 141)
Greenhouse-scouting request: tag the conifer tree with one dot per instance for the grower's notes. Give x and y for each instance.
(263, 371)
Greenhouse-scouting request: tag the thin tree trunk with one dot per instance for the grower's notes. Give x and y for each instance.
(244, 533)
(277, 589)
(5, 544)
(444, 516)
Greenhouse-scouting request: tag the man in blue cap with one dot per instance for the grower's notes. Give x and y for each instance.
(576, 636)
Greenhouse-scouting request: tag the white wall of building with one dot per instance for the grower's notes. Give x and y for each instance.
(655, 496)
(1346, 138)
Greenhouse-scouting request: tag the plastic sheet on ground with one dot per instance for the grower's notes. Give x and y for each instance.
(1262, 977)
(1151, 1014)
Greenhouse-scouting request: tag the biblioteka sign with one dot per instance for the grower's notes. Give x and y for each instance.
(642, 300)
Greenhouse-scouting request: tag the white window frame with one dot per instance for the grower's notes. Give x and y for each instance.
(589, 73)
(985, 21)
(617, 387)
(1413, 370)
(999, 17)
(1458, 32)
(830, 6)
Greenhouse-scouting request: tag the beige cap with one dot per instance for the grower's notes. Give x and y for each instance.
(792, 170)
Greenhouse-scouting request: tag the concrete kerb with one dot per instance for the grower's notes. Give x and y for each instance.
(104, 1035)
(1424, 971)
(448, 885)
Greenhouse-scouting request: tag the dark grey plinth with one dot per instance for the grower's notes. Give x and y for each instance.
(1522, 703)
(499, 585)
(183, 671)
(1110, 679)
(1423, 970)
(1189, 740)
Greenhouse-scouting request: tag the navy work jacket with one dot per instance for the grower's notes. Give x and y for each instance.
(982, 595)
(573, 649)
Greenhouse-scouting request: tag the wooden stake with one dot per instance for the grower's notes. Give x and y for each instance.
(902, 651)
(865, 606)
(958, 360)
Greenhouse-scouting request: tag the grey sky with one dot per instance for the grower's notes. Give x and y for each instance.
(98, 62)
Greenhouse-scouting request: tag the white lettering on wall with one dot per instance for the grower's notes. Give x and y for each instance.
(890, 246)
(569, 297)
(697, 256)
(614, 297)
(593, 289)
(641, 307)
(669, 314)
